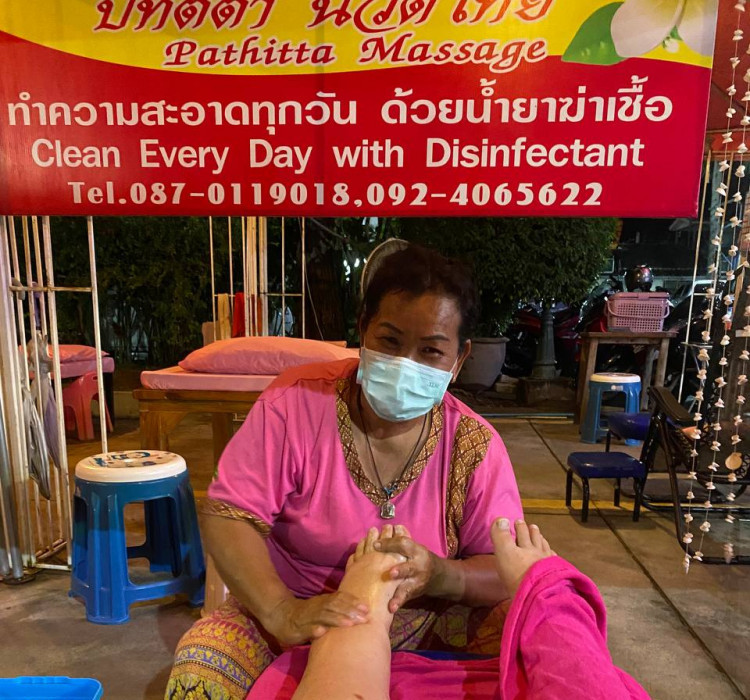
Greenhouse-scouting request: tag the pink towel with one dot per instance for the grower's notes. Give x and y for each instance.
(554, 647)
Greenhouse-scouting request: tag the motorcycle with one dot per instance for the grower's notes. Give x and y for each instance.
(524, 335)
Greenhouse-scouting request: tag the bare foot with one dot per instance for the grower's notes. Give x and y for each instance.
(368, 575)
(514, 558)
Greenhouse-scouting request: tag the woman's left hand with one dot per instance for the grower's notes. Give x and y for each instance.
(415, 574)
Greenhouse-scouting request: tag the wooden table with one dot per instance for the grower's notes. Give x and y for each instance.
(591, 342)
(162, 410)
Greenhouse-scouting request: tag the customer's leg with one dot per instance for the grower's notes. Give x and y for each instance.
(554, 645)
(221, 656)
(355, 662)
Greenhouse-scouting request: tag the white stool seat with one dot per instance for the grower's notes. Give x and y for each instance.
(130, 466)
(615, 378)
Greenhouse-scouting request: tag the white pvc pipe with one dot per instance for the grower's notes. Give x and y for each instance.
(52, 306)
(97, 333)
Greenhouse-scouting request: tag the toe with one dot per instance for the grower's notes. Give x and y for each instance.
(522, 534)
(536, 536)
(501, 536)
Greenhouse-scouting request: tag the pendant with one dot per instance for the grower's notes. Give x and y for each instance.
(388, 511)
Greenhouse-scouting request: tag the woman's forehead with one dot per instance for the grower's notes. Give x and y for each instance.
(428, 313)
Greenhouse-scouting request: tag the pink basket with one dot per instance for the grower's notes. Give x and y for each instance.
(638, 312)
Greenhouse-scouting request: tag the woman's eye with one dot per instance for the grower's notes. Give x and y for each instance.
(432, 351)
(389, 340)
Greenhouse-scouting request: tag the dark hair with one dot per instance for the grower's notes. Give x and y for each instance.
(416, 271)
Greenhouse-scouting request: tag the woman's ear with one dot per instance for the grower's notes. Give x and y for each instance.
(463, 355)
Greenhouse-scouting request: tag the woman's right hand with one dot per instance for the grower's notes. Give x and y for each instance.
(296, 621)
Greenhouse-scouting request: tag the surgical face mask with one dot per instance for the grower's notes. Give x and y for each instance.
(400, 389)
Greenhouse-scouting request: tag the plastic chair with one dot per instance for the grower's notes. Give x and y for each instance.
(77, 398)
(104, 484)
(631, 427)
(629, 384)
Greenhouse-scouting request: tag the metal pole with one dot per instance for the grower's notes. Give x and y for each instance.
(231, 267)
(252, 259)
(263, 252)
(283, 276)
(52, 305)
(10, 553)
(9, 397)
(686, 349)
(213, 282)
(13, 380)
(304, 277)
(35, 362)
(246, 274)
(38, 323)
(97, 333)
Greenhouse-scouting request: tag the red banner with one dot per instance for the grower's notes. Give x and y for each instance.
(514, 133)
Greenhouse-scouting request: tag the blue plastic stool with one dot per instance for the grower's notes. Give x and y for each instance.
(629, 384)
(605, 465)
(104, 484)
(631, 427)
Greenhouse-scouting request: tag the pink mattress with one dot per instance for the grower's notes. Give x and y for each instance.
(76, 369)
(178, 379)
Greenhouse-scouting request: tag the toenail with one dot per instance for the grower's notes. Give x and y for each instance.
(503, 524)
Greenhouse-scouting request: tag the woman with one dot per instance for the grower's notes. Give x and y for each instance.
(554, 642)
(332, 450)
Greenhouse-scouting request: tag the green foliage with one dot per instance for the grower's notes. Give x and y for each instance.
(154, 284)
(515, 260)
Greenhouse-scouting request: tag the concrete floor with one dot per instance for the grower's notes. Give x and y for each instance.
(681, 636)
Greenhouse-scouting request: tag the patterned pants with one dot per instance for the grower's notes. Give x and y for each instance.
(221, 656)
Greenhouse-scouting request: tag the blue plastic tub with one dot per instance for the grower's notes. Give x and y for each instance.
(49, 688)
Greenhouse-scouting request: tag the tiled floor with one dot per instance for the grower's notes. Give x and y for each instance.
(681, 636)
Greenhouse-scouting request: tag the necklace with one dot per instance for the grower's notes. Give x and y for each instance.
(388, 510)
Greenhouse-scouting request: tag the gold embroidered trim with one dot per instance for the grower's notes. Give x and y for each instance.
(353, 463)
(469, 449)
(210, 506)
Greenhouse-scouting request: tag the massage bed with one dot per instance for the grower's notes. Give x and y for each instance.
(168, 395)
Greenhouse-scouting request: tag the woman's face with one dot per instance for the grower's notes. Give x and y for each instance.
(424, 329)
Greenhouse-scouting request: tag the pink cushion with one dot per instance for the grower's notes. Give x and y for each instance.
(76, 353)
(262, 355)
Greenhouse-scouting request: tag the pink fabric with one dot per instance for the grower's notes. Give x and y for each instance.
(262, 355)
(178, 379)
(553, 648)
(81, 367)
(286, 465)
(76, 353)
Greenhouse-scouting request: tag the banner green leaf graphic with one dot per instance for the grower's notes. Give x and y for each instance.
(593, 43)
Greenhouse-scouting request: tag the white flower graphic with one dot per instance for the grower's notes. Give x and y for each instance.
(639, 26)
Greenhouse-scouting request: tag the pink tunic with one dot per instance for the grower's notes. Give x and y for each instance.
(292, 467)
(554, 647)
